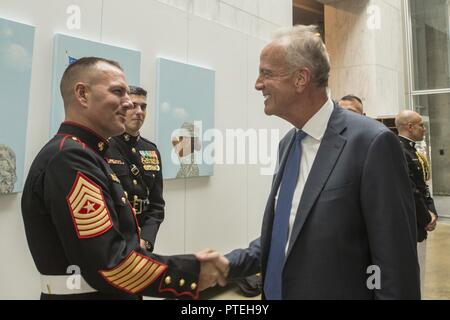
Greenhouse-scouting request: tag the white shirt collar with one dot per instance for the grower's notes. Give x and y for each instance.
(407, 138)
(316, 126)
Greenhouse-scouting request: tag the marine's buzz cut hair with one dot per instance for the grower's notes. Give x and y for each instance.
(305, 49)
(75, 71)
(351, 97)
(138, 91)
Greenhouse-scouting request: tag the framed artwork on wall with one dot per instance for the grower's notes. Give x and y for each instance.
(68, 49)
(16, 53)
(184, 112)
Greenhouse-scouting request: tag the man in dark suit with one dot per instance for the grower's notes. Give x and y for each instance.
(340, 213)
(410, 130)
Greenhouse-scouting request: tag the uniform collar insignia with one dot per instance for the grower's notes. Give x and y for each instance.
(85, 135)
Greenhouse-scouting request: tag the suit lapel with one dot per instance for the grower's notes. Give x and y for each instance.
(326, 158)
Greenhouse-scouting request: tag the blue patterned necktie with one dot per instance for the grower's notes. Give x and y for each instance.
(275, 262)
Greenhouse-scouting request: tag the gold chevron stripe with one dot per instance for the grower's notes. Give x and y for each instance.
(121, 266)
(155, 275)
(86, 194)
(94, 225)
(82, 182)
(96, 231)
(144, 279)
(134, 273)
(99, 217)
(128, 272)
(137, 274)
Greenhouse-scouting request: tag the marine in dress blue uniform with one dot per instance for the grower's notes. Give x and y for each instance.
(137, 163)
(75, 210)
(419, 173)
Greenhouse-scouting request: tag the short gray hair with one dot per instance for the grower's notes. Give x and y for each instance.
(305, 49)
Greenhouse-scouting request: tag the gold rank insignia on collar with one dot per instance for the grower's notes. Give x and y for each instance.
(115, 178)
(101, 146)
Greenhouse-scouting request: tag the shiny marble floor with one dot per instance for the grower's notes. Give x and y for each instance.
(437, 270)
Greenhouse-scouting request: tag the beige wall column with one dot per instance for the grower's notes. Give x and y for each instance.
(366, 46)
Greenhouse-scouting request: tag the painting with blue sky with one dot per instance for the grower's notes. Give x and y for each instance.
(184, 112)
(16, 52)
(68, 49)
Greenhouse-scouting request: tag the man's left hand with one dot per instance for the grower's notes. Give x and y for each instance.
(432, 225)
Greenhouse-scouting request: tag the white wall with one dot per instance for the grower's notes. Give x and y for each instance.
(223, 211)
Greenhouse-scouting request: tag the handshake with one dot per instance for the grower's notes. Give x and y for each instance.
(214, 269)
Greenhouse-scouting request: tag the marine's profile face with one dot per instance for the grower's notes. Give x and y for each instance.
(108, 101)
(417, 128)
(136, 115)
(7, 169)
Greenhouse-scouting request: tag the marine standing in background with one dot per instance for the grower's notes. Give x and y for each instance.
(137, 163)
(410, 130)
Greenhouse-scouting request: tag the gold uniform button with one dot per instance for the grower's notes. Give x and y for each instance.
(124, 200)
(134, 150)
(168, 280)
(135, 182)
(136, 197)
(193, 286)
(74, 138)
(126, 194)
(153, 175)
(182, 282)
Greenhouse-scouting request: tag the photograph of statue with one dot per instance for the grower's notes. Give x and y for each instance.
(16, 55)
(185, 144)
(184, 112)
(8, 175)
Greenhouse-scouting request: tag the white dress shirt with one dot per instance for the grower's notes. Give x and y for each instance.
(315, 130)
